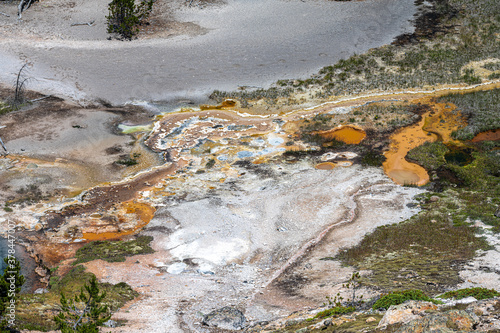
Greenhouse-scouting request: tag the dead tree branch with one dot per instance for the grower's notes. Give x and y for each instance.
(3, 146)
(90, 23)
(23, 5)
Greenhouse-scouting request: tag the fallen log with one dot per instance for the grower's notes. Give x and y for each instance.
(90, 23)
(39, 99)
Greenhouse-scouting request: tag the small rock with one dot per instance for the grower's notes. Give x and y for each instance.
(31, 166)
(110, 323)
(370, 319)
(176, 268)
(497, 213)
(434, 198)
(291, 322)
(327, 322)
(405, 312)
(449, 321)
(225, 318)
(41, 291)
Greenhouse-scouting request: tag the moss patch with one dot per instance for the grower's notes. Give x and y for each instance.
(338, 310)
(113, 251)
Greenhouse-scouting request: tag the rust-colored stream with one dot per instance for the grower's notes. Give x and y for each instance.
(435, 124)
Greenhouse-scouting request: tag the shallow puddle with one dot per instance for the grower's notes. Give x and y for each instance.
(347, 134)
(325, 166)
(143, 212)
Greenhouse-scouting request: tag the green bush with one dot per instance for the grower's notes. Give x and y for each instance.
(125, 15)
(477, 293)
(399, 297)
(338, 310)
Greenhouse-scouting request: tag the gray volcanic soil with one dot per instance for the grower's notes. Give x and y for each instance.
(222, 46)
(230, 246)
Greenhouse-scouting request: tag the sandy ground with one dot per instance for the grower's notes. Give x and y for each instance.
(189, 52)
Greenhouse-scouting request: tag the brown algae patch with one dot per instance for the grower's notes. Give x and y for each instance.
(346, 134)
(491, 135)
(228, 103)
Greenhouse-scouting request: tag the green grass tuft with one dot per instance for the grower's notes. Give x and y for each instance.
(338, 310)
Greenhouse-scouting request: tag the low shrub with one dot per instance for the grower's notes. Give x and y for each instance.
(399, 297)
(338, 310)
(478, 293)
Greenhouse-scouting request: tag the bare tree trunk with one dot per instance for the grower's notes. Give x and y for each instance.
(3, 146)
(23, 5)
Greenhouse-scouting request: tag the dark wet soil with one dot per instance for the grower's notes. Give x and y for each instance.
(428, 22)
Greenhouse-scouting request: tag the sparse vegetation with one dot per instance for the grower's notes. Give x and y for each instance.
(84, 313)
(424, 252)
(113, 251)
(481, 109)
(128, 160)
(448, 37)
(36, 311)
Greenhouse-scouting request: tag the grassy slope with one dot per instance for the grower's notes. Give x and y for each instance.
(454, 34)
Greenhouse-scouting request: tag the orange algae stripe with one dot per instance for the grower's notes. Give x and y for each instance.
(492, 135)
(396, 166)
(347, 134)
(325, 166)
(434, 125)
(143, 212)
